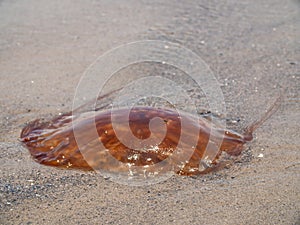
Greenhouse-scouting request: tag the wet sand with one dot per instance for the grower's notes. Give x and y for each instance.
(253, 50)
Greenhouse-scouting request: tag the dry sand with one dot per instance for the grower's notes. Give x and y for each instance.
(252, 47)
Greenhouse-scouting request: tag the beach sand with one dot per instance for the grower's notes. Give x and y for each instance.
(253, 49)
